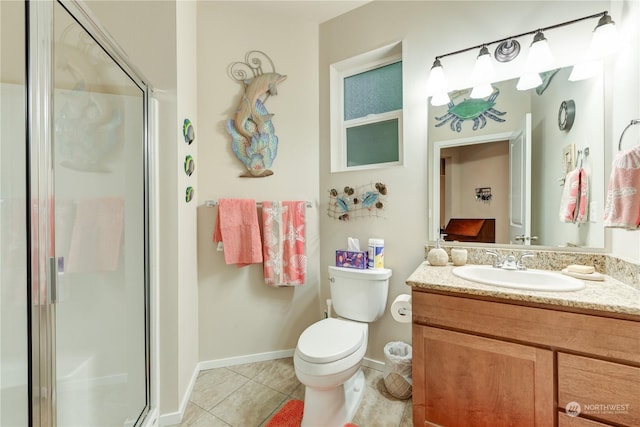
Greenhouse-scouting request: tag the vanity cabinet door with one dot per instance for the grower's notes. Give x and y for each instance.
(565, 420)
(601, 390)
(466, 380)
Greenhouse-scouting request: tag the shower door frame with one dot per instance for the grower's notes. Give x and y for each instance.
(40, 189)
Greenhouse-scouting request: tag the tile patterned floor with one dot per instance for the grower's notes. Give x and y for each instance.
(249, 395)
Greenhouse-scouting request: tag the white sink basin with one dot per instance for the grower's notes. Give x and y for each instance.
(536, 280)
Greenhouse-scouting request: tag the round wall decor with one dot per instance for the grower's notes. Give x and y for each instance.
(566, 114)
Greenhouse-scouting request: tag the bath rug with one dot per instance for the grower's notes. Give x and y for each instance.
(290, 415)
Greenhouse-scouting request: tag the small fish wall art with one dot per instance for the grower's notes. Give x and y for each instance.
(188, 131)
(363, 201)
(478, 110)
(253, 138)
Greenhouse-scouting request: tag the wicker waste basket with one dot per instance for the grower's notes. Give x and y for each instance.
(397, 372)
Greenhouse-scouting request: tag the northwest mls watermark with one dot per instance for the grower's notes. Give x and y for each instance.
(573, 409)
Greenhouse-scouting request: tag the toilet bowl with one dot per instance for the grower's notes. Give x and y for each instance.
(327, 361)
(329, 353)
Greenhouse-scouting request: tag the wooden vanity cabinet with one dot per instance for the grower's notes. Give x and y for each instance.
(490, 363)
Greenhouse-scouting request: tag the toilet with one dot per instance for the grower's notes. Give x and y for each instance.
(329, 352)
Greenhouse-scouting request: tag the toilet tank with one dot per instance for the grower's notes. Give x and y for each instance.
(359, 295)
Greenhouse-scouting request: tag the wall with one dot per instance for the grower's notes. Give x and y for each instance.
(187, 106)
(427, 29)
(238, 314)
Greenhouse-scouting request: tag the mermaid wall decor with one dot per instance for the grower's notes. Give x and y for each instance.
(254, 141)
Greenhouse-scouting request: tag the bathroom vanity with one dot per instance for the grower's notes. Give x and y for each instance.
(484, 355)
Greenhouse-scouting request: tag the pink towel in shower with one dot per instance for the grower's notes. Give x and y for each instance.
(575, 197)
(285, 260)
(622, 207)
(238, 229)
(96, 239)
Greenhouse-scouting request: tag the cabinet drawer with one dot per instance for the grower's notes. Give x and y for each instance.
(581, 333)
(565, 420)
(604, 390)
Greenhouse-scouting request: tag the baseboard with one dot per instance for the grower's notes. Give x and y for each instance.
(373, 364)
(241, 360)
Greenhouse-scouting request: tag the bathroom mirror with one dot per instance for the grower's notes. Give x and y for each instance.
(510, 170)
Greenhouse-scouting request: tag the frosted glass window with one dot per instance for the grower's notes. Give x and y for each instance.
(373, 143)
(366, 110)
(373, 92)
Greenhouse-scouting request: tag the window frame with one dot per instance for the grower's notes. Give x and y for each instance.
(339, 71)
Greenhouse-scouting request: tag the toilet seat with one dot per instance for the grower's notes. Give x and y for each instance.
(330, 339)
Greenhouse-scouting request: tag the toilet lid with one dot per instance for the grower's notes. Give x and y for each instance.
(329, 340)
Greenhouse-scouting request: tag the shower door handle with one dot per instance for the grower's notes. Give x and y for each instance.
(56, 274)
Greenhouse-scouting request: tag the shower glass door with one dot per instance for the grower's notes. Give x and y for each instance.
(14, 358)
(100, 228)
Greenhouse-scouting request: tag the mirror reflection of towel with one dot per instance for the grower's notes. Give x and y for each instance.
(575, 197)
(96, 238)
(622, 207)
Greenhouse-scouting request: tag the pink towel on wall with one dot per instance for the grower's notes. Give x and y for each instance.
(622, 207)
(575, 197)
(285, 259)
(238, 229)
(96, 239)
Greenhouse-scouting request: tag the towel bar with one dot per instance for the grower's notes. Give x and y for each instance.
(211, 203)
(633, 122)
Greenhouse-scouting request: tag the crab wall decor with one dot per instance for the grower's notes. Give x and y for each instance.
(477, 110)
(363, 201)
(253, 136)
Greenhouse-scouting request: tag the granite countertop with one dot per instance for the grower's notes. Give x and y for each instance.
(609, 295)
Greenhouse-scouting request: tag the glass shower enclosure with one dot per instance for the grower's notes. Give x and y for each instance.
(74, 221)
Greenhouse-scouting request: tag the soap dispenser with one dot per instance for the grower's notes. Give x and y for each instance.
(438, 256)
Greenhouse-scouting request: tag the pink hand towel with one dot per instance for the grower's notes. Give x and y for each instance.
(622, 207)
(575, 197)
(238, 229)
(285, 260)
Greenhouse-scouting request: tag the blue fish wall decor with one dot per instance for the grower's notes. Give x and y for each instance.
(253, 138)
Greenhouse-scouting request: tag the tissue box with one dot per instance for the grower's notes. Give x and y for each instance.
(351, 259)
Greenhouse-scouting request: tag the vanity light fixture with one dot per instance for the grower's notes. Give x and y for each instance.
(507, 50)
(604, 41)
(539, 59)
(483, 75)
(437, 85)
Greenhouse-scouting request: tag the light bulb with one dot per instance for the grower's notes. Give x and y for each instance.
(529, 81)
(481, 91)
(586, 69)
(439, 99)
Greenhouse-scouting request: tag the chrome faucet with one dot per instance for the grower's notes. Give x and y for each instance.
(509, 262)
(497, 262)
(519, 264)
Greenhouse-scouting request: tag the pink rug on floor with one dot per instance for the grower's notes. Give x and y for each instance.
(290, 415)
